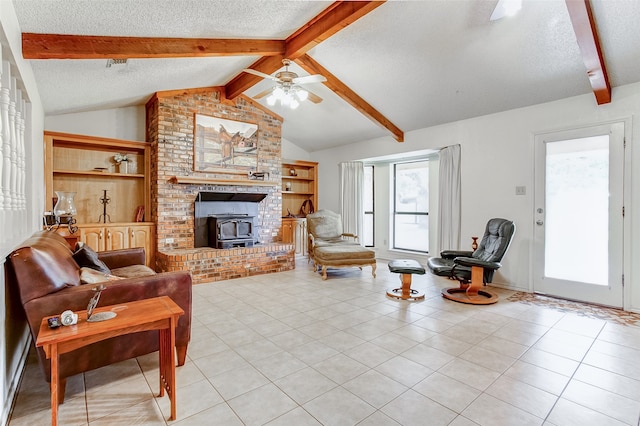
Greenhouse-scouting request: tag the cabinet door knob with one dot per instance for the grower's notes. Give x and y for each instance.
(100, 235)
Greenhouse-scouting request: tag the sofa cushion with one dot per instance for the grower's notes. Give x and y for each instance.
(324, 224)
(45, 261)
(91, 276)
(133, 271)
(86, 257)
(334, 241)
(343, 252)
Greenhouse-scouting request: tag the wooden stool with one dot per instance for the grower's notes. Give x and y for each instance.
(407, 268)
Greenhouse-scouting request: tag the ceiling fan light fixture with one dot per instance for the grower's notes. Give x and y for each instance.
(302, 94)
(278, 92)
(287, 89)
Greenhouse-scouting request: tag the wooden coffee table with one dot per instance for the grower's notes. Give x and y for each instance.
(158, 313)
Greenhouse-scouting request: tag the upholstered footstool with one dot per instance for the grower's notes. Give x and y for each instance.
(406, 267)
(343, 256)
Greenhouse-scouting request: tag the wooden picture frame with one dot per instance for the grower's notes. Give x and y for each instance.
(220, 144)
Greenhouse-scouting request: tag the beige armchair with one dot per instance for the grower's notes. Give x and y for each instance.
(329, 246)
(325, 227)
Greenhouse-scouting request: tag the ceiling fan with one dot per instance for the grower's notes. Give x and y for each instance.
(288, 88)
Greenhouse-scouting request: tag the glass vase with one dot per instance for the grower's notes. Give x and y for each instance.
(65, 207)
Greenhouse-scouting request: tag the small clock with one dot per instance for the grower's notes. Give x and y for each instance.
(68, 318)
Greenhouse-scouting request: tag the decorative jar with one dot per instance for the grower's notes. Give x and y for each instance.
(65, 207)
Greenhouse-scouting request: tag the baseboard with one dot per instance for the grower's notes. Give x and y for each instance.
(14, 386)
(509, 287)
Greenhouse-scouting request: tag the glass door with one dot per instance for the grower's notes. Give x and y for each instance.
(578, 238)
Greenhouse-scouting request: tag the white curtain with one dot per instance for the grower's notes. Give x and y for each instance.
(449, 199)
(351, 197)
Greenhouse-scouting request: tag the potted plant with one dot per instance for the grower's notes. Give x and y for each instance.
(122, 160)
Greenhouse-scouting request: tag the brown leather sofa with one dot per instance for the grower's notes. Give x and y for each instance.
(48, 282)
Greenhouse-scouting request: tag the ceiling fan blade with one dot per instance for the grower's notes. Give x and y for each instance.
(259, 74)
(317, 78)
(314, 98)
(263, 93)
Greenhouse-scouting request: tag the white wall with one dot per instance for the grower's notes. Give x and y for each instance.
(291, 151)
(118, 123)
(15, 225)
(497, 155)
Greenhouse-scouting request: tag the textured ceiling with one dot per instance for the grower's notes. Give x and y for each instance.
(420, 63)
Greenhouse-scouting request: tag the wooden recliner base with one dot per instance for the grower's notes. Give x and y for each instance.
(471, 293)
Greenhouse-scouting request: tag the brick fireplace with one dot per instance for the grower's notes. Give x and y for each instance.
(175, 186)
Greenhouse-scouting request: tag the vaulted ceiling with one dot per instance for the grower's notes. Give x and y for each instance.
(391, 67)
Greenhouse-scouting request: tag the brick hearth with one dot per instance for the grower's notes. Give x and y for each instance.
(170, 129)
(208, 265)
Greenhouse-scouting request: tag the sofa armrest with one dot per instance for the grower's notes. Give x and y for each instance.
(176, 285)
(354, 236)
(115, 259)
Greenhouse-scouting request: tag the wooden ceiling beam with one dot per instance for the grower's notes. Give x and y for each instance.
(584, 26)
(62, 46)
(331, 20)
(311, 66)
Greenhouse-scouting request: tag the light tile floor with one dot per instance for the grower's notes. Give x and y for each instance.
(291, 349)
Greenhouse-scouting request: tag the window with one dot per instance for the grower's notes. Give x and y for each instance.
(368, 229)
(411, 206)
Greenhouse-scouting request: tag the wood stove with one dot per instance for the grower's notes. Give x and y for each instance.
(227, 219)
(228, 231)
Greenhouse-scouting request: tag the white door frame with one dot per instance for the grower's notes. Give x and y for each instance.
(626, 194)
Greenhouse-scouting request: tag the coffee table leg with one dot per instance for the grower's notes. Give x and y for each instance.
(168, 365)
(54, 385)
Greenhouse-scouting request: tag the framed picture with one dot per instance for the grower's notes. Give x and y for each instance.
(222, 144)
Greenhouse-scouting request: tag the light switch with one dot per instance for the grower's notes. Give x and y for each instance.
(521, 190)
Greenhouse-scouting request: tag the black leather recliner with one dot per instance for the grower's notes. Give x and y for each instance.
(485, 259)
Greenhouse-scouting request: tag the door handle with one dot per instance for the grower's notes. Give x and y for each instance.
(539, 222)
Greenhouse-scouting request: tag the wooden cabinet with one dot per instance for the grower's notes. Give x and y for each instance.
(86, 165)
(119, 236)
(299, 184)
(294, 230)
(93, 236)
(144, 236)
